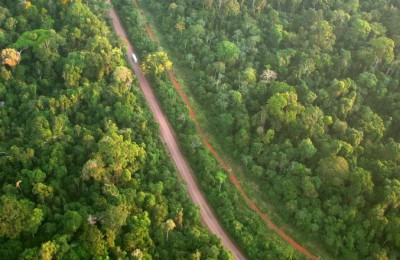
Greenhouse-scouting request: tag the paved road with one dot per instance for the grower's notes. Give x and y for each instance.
(207, 215)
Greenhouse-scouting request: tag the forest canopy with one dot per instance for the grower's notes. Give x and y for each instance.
(83, 173)
(304, 94)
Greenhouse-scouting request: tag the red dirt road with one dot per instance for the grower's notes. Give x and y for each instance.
(207, 215)
(225, 166)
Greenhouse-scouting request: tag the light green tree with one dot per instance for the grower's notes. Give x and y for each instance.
(221, 177)
(169, 226)
(227, 51)
(156, 63)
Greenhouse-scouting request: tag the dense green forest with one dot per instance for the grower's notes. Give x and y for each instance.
(83, 172)
(305, 94)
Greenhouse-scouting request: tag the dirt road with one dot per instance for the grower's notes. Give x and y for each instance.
(224, 165)
(207, 214)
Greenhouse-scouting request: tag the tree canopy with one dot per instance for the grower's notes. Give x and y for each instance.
(304, 96)
(84, 174)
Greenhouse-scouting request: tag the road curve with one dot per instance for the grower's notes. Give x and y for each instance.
(207, 215)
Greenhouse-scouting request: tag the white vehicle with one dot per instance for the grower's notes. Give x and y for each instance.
(134, 58)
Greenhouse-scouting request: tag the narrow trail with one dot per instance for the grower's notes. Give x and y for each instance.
(225, 166)
(208, 216)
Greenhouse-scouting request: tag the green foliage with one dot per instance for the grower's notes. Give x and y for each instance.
(84, 174)
(156, 63)
(333, 170)
(227, 51)
(18, 216)
(306, 149)
(249, 75)
(221, 177)
(33, 38)
(317, 121)
(72, 221)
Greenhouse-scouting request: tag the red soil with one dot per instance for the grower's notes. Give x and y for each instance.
(150, 33)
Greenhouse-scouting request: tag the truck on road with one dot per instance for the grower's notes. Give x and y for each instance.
(135, 60)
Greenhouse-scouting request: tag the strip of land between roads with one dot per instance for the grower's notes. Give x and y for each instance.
(226, 167)
(207, 215)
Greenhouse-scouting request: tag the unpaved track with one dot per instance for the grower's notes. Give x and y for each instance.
(207, 214)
